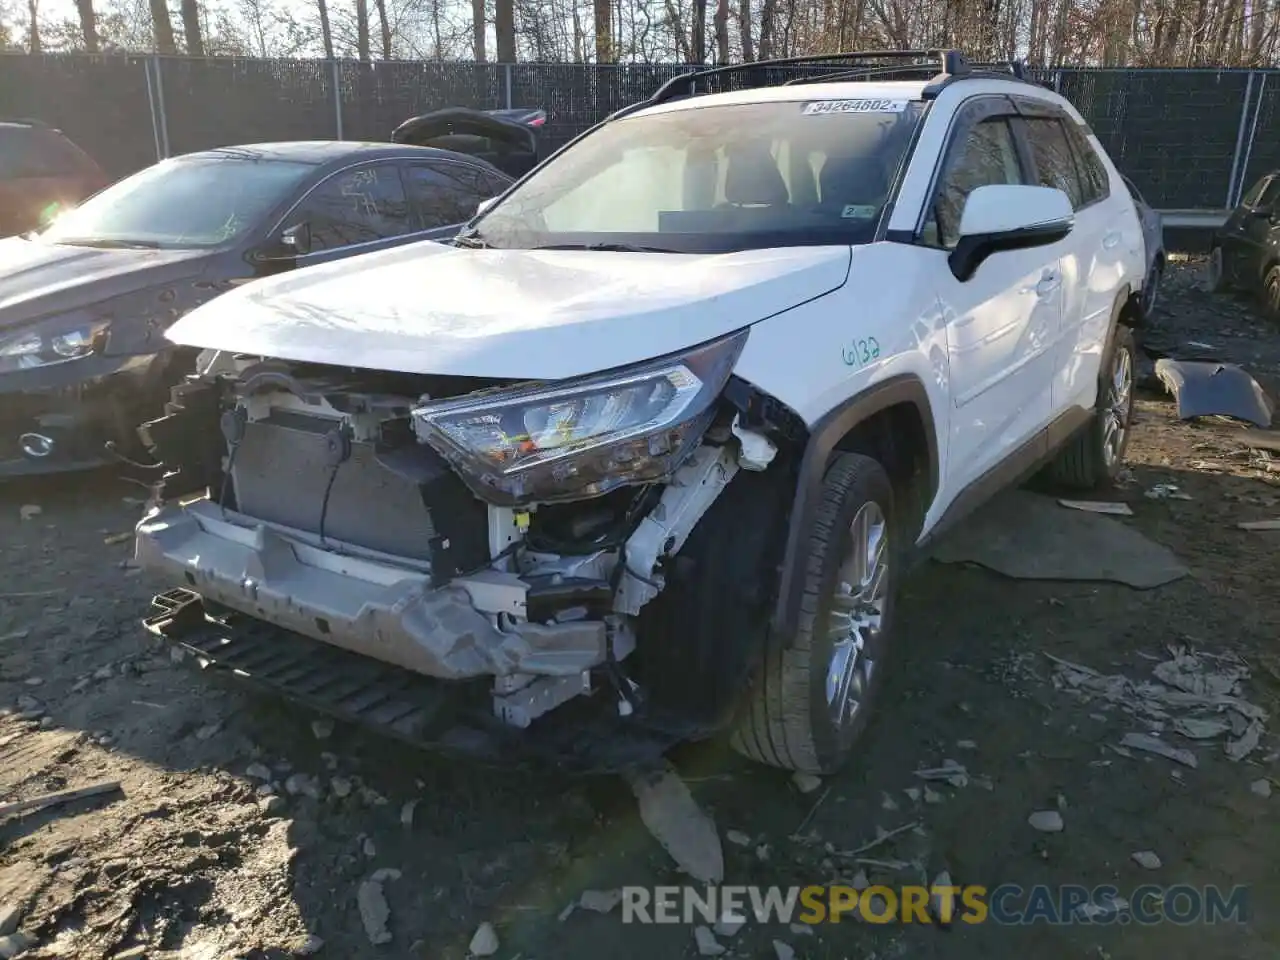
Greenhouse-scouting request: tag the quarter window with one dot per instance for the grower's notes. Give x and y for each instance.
(1055, 164)
(356, 206)
(1093, 175)
(443, 193)
(987, 156)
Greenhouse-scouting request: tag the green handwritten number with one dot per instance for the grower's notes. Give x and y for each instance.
(860, 352)
(875, 347)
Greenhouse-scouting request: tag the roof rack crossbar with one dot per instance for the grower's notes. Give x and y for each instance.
(948, 61)
(857, 74)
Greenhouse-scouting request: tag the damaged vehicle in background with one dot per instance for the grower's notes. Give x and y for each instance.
(84, 304)
(1245, 253)
(645, 453)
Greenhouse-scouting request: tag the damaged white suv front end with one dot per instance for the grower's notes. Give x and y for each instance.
(509, 533)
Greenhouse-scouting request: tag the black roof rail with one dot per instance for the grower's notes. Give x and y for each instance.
(942, 65)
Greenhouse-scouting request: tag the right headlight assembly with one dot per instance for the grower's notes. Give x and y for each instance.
(583, 438)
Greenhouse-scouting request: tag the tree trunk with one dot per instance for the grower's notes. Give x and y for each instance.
(190, 27)
(88, 25)
(477, 31)
(33, 30)
(326, 33)
(744, 29)
(721, 22)
(505, 24)
(698, 32)
(385, 26)
(604, 31)
(162, 26)
(768, 20)
(362, 29)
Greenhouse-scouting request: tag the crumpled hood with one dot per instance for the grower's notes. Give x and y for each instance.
(536, 314)
(38, 278)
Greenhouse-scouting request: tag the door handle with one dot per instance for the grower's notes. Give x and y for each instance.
(1111, 241)
(1049, 282)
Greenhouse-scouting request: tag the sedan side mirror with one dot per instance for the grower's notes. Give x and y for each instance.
(297, 239)
(1003, 217)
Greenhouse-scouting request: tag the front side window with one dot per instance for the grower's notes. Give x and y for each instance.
(188, 202)
(1269, 195)
(716, 179)
(987, 156)
(1055, 164)
(361, 205)
(1254, 195)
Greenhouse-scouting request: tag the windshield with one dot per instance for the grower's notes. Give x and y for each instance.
(715, 179)
(202, 202)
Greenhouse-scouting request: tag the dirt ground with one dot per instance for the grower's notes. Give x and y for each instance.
(193, 860)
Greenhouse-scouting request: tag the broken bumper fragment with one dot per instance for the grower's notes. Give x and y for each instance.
(365, 603)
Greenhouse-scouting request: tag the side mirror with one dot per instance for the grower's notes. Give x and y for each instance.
(1003, 217)
(485, 206)
(297, 239)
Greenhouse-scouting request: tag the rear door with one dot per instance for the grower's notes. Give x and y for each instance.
(1245, 233)
(444, 194)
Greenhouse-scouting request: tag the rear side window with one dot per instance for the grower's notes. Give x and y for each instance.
(1255, 192)
(987, 156)
(36, 152)
(1093, 175)
(1055, 163)
(1269, 195)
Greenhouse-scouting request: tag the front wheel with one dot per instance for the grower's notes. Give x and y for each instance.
(812, 696)
(1271, 294)
(1215, 279)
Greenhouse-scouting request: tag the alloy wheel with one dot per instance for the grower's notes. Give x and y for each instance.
(1115, 411)
(857, 614)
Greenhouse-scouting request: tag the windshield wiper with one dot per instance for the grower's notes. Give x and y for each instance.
(613, 247)
(107, 243)
(471, 241)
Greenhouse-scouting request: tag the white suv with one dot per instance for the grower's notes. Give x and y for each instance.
(643, 453)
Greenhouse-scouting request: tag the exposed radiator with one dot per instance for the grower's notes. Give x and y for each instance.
(280, 474)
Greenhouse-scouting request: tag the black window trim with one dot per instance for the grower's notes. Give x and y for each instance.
(968, 114)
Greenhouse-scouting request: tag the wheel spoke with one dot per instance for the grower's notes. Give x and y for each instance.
(856, 613)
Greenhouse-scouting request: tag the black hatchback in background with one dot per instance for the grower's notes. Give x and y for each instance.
(1245, 254)
(85, 303)
(41, 173)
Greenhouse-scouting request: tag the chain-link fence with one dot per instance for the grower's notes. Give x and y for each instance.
(1190, 139)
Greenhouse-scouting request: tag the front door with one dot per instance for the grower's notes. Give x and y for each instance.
(1000, 322)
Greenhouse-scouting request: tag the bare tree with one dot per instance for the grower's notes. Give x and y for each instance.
(362, 29)
(604, 31)
(478, 52)
(162, 27)
(326, 31)
(33, 26)
(505, 27)
(88, 25)
(190, 27)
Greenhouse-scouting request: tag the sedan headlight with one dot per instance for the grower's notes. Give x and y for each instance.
(48, 344)
(584, 438)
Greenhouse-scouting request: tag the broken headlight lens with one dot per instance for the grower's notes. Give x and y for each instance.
(41, 346)
(582, 438)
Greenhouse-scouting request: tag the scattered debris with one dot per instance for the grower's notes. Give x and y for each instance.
(368, 847)
(58, 797)
(1260, 524)
(806, 782)
(942, 906)
(1117, 508)
(1261, 787)
(1166, 491)
(913, 794)
(13, 944)
(1208, 388)
(887, 802)
(783, 951)
(600, 901)
(729, 925)
(801, 929)
(374, 912)
(1194, 728)
(208, 731)
(1147, 860)
(313, 944)
(340, 787)
(737, 838)
(322, 728)
(303, 783)
(10, 917)
(950, 771)
(1240, 748)
(860, 881)
(932, 796)
(966, 745)
(115, 538)
(676, 821)
(1150, 744)
(484, 942)
(29, 511)
(1046, 821)
(406, 812)
(882, 837)
(708, 946)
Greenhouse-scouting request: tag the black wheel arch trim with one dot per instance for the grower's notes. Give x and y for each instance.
(823, 441)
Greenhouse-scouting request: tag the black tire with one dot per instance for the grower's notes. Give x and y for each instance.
(1216, 280)
(1089, 460)
(1270, 294)
(788, 722)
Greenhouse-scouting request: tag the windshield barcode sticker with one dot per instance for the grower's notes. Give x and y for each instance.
(815, 107)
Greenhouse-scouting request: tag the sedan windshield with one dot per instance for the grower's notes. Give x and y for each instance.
(714, 179)
(188, 202)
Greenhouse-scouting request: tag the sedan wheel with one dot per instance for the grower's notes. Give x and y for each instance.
(1271, 294)
(1215, 271)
